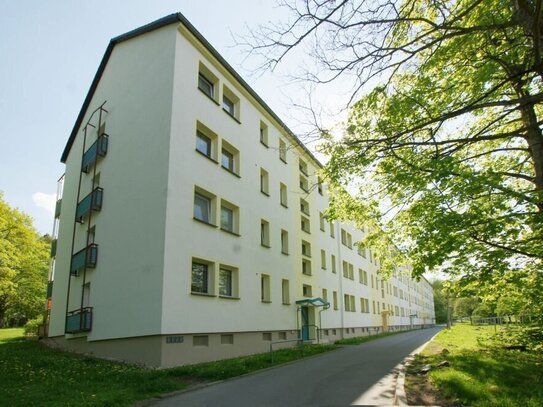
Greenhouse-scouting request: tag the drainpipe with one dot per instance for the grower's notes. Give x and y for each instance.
(340, 275)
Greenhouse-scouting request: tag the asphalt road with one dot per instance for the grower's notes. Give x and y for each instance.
(353, 375)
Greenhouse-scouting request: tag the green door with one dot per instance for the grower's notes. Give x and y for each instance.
(305, 323)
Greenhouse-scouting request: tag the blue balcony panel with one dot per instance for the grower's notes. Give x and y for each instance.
(92, 201)
(96, 150)
(79, 320)
(86, 258)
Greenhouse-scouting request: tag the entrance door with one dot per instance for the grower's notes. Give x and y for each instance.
(305, 323)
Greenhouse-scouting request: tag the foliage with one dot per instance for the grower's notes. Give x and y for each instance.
(32, 374)
(445, 155)
(24, 259)
(465, 306)
(32, 325)
(225, 369)
(440, 301)
(363, 339)
(480, 375)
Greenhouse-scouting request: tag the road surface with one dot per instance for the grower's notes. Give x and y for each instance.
(353, 375)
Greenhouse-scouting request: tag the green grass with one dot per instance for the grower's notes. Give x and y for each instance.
(363, 339)
(34, 375)
(481, 373)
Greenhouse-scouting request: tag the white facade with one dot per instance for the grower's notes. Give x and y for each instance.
(157, 181)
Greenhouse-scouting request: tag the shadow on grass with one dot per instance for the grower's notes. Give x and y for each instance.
(492, 377)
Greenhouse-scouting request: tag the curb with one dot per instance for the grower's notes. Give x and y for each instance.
(400, 397)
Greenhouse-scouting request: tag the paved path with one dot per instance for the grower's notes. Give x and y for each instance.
(353, 375)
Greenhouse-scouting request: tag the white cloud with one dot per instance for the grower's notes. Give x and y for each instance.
(45, 201)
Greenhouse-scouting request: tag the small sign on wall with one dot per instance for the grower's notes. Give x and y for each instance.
(174, 339)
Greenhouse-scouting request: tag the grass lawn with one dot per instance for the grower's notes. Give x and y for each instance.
(34, 375)
(362, 339)
(481, 373)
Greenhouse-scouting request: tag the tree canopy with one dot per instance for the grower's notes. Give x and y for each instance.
(445, 154)
(24, 259)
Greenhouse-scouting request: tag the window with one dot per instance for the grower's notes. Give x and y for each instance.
(229, 217)
(349, 303)
(303, 167)
(306, 248)
(306, 267)
(361, 250)
(227, 339)
(282, 151)
(345, 269)
(304, 184)
(323, 259)
(332, 231)
(304, 206)
(321, 221)
(319, 185)
(334, 295)
(282, 335)
(307, 290)
(284, 241)
(363, 276)
(264, 134)
(264, 233)
(265, 295)
(203, 144)
(229, 158)
(285, 291)
(206, 85)
(200, 340)
(203, 207)
(304, 223)
(225, 282)
(283, 194)
(206, 141)
(230, 103)
(351, 271)
(266, 336)
(325, 294)
(333, 263)
(264, 182)
(201, 279)
(349, 241)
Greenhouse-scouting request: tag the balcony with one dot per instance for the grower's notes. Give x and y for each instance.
(57, 208)
(49, 289)
(86, 258)
(79, 320)
(53, 247)
(98, 149)
(92, 202)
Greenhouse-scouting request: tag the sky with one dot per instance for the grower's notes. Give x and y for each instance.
(49, 54)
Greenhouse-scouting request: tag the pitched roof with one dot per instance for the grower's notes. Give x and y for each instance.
(164, 21)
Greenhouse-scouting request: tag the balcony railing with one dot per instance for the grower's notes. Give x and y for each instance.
(79, 320)
(92, 202)
(53, 247)
(98, 149)
(86, 258)
(49, 289)
(57, 208)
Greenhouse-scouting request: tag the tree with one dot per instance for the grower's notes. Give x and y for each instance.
(440, 302)
(24, 259)
(465, 306)
(445, 155)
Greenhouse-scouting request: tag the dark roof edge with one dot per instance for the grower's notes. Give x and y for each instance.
(164, 21)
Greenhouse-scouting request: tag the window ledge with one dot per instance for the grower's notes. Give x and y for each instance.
(206, 156)
(230, 171)
(265, 245)
(285, 253)
(202, 294)
(322, 230)
(226, 297)
(232, 116)
(305, 213)
(306, 255)
(285, 161)
(286, 303)
(266, 301)
(284, 206)
(265, 193)
(230, 232)
(204, 222)
(264, 144)
(209, 97)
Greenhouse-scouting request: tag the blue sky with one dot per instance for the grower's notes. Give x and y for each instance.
(49, 53)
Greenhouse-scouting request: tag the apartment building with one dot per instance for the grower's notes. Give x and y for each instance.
(190, 221)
